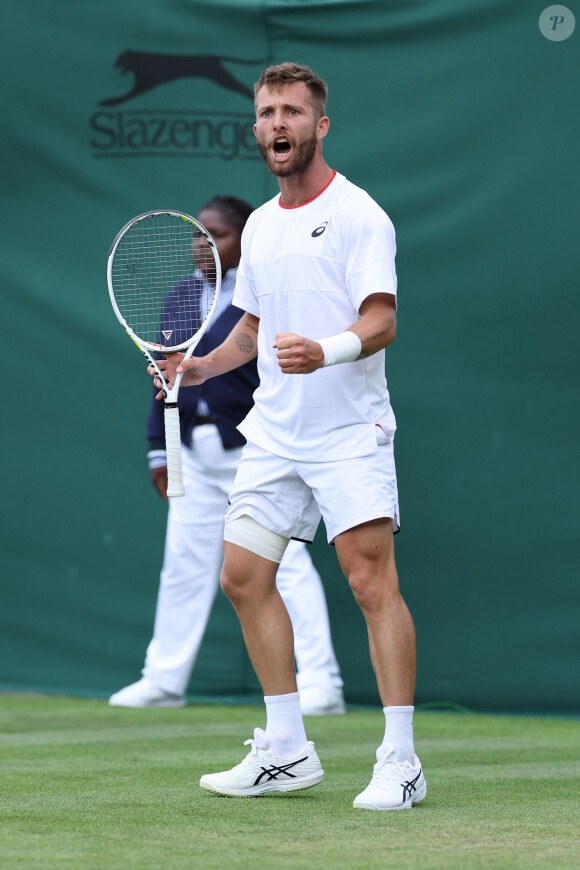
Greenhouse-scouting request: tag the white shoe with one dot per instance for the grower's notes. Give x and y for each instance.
(263, 771)
(395, 785)
(322, 701)
(144, 693)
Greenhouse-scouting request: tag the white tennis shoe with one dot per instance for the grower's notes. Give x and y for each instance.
(144, 693)
(263, 771)
(395, 784)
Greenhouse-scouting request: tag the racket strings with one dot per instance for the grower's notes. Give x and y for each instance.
(164, 279)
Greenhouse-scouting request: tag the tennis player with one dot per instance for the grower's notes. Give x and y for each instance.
(318, 286)
(210, 451)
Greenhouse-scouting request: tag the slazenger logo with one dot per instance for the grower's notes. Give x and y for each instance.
(140, 131)
(319, 230)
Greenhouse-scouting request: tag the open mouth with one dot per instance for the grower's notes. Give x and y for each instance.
(282, 148)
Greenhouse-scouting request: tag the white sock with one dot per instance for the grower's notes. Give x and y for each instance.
(399, 731)
(284, 726)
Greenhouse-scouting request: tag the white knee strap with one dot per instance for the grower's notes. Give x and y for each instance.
(249, 534)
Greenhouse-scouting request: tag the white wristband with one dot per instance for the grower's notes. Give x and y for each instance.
(157, 458)
(345, 347)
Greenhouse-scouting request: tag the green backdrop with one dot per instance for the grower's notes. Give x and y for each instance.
(461, 120)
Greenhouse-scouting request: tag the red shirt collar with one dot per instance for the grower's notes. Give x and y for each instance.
(320, 192)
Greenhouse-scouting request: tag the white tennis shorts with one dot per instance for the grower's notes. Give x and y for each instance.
(289, 497)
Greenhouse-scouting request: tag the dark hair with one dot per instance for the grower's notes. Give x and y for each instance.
(235, 211)
(276, 77)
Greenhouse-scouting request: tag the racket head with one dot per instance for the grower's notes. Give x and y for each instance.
(164, 278)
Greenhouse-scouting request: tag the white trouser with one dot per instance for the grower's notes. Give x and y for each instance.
(190, 577)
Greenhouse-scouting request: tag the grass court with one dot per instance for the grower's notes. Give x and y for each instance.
(88, 786)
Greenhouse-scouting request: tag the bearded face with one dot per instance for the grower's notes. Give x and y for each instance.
(288, 129)
(285, 157)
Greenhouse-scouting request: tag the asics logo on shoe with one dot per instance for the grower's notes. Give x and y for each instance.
(273, 772)
(319, 230)
(410, 787)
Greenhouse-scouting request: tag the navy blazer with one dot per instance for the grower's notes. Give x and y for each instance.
(229, 396)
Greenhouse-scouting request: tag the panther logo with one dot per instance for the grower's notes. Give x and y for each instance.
(151, 70)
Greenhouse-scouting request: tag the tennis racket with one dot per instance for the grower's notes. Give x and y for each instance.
(164, 279)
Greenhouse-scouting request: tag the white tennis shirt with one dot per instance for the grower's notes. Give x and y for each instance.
(307, 270)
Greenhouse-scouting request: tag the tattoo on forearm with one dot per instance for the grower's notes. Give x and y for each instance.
(365, 352)
(374, 337)
(250, 326)
(244, 342)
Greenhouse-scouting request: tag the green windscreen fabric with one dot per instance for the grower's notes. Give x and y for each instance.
(461, 120)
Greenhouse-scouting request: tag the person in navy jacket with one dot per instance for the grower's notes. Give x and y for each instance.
(211, 449)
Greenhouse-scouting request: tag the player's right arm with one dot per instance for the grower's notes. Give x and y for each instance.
(240, 347)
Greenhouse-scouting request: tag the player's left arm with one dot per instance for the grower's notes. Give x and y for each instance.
(375, 328)
(377, 323)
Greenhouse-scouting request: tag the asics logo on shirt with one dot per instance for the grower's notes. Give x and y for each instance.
(319, 230)
(273, 772)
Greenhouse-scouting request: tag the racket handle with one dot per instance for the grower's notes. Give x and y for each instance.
(175, 487)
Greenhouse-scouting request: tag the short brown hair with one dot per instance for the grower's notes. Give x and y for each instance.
(276, 77)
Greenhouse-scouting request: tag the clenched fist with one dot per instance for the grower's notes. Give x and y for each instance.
(298, 355)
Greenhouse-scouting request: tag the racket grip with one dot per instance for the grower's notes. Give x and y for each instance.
(175, 487)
